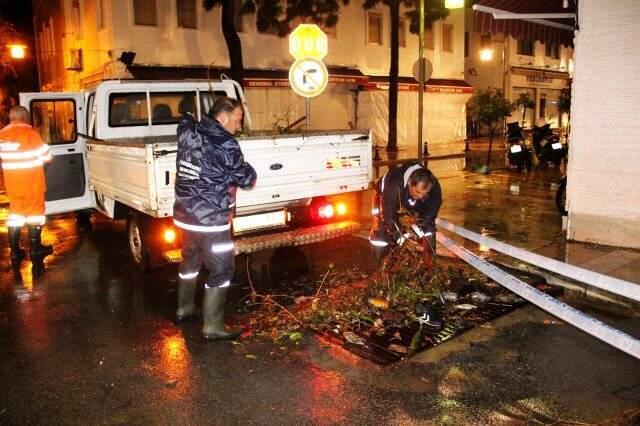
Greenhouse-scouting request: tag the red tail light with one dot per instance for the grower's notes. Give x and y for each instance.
(325, 211)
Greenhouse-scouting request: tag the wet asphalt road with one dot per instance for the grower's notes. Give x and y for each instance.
(94, 342)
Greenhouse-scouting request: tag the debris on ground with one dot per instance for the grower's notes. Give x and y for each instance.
(403, 307)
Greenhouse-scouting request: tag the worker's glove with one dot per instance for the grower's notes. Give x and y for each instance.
(403, 238)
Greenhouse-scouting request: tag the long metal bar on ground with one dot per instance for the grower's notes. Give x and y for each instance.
(596, 328)
(605, 282)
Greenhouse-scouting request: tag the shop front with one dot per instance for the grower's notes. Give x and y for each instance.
(544, 88)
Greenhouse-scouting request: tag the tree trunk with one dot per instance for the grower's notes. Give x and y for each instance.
(234, 45)
(490, 145)
(392, 144)
(524, 113)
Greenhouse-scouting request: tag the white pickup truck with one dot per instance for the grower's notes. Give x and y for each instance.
(114, 151)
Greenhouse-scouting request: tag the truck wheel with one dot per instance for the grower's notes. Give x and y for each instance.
(138, 242)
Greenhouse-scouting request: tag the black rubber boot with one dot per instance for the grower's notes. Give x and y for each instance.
(37, 249)
(213, 307)
(186, 300)
(17, 254)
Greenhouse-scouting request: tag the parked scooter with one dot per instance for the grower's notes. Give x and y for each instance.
(519, 154)
(547, 145)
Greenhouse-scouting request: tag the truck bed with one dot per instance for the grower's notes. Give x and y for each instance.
(140, 173)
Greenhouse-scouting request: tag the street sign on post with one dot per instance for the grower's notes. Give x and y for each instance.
(308, 41)
(308, 75)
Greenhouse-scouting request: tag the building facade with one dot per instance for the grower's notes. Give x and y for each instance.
(540, 68)
(80, 43)
(603, 188)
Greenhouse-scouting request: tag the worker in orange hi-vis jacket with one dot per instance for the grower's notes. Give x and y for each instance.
(23, 154)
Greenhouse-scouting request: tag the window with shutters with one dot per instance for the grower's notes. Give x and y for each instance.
(402, 33)
(187, 14)
(428, 38)
(374, 28)
(145, 12)
(552, 50)
(102, 14)
(447, 38)
(525, 47)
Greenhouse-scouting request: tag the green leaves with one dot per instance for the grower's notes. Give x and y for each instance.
(489, 106)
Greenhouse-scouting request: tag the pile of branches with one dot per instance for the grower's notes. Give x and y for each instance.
(346, 301)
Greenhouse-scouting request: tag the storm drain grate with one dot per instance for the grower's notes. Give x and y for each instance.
(387, 344)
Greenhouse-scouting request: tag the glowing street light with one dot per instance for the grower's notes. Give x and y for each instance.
(17, 51)
(486, 55)
(454, 4)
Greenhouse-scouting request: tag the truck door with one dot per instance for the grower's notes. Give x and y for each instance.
(59, 118)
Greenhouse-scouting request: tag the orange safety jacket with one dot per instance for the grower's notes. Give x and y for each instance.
(23, 154)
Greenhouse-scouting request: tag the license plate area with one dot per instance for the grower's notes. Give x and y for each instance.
(257, 222)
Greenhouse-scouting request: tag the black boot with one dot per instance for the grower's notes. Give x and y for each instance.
(17, 254)
(37, 249)
(186, 299)
(213, 307)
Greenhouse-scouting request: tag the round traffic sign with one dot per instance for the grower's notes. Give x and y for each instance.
(428, 70)
(308, 77)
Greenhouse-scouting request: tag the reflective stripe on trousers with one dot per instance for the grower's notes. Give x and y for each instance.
(213, 250)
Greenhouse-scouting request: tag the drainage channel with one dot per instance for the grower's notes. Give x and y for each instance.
(387, 343)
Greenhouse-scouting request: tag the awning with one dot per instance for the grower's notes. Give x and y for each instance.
(252, 77)
(520, 29)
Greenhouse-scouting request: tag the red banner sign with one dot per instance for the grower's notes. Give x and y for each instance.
(414, 88)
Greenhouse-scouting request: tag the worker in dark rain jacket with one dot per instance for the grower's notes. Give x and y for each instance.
(209, 168)
(412, 188)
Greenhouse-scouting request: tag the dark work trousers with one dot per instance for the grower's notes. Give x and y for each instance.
(214, 250)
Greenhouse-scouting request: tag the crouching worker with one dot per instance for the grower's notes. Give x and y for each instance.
(209, 168)
(23, 154)
(409, 187)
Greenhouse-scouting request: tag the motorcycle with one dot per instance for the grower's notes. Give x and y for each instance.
(547, 145)
(519, 154)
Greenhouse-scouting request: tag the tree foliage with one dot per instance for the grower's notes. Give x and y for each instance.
(564, 100)
(270, 17)
(490, 107)
(525, 102)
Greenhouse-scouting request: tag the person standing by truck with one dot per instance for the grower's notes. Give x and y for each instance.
(209, 168)
(411, 188)
(23, 154)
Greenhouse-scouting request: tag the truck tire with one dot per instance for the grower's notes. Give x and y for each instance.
(138, 241)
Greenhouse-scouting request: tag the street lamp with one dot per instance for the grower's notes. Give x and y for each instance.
(17, 51)
(449, 4)
(454, 4)
(486, 55)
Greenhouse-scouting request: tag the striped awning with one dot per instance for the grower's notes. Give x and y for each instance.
(521, 29)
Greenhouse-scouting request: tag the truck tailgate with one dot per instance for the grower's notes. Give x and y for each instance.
(289, 168)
